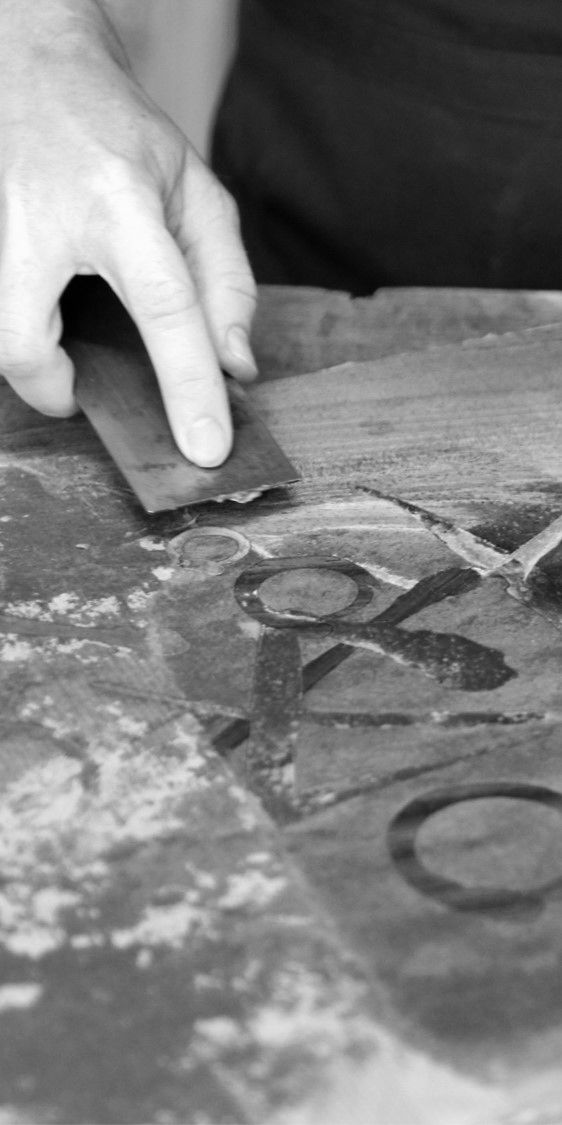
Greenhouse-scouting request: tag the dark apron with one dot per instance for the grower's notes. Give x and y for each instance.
(397, 142)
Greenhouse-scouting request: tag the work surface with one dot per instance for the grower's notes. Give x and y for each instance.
(281, 804)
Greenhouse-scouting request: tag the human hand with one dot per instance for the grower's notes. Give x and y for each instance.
(95, 179)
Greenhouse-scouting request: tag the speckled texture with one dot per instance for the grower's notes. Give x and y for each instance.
(160, 958)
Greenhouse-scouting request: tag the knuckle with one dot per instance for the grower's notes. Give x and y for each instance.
(241, 287)
(118, 188)
(186, 383)
(168, 302)
(236, 276)
(115, 174)
(248, 288)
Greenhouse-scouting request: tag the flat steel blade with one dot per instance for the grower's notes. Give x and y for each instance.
(117, 389)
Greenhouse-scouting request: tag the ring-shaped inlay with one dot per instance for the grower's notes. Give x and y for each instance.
(247, 589)
(402, 840)
(208, 549)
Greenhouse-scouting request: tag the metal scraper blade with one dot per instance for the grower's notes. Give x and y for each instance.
(116, 387)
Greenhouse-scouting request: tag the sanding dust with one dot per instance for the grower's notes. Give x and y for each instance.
(241, 497)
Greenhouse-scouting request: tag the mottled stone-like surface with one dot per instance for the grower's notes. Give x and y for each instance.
(387, 952)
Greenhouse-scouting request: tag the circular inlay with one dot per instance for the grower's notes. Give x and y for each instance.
(410, 844)
(209, 549)
(317, 592)
(302, 589)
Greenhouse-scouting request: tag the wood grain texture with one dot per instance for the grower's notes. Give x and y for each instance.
(472, 423)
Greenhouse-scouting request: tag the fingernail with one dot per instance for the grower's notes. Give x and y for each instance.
(240, 350)
(206, 442)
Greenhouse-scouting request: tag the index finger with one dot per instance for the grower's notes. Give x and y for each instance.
(149, 274)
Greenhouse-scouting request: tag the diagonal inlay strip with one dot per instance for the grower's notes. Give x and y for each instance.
(478, 552)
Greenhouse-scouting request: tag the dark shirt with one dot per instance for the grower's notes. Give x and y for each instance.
(397, 142)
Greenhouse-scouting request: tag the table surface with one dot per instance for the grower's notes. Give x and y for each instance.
(280, 831)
